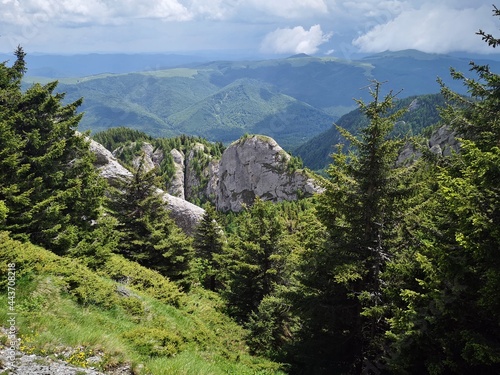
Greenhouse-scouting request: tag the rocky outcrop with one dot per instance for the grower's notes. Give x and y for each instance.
(253, 167)
(176, 184)
(193, 175)
(186, 215)
(442, 142)
(150, 157)
(109, 167)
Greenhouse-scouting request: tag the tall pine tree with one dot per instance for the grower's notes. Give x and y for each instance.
(343, 304)
(52, 191)
(149, 234)
(450, 321)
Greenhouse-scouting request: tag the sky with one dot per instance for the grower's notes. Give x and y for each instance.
(257, 28)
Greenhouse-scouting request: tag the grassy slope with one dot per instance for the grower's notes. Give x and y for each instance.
(63, 307)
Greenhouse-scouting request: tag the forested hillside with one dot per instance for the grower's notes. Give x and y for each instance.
(421, 112)
(393, 268)
(290, 99)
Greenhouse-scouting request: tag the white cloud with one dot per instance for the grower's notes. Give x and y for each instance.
(433, 28)
(81, 12)
(290, 9)
(296, 40)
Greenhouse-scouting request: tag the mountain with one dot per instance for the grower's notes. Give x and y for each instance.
(249, 105)
(290, 99)
(63, 66)
(422, 112)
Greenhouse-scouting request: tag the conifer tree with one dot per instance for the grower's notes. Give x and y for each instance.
(149, 234)
(208, 245)
(344, 306)
(450, 320)
(255, 259)
(51, 189)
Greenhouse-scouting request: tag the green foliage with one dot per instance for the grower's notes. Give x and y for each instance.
(116, 137)
(67, 307)
(255, 259)
(49, 184)
(208, 244)
(422, 112)
(447, 320)
(198, 152)
(143, 279)
(358, 209)
(154, 342)
(149, 235)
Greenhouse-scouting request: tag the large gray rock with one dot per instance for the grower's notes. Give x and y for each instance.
(257, 167)
(176, 184)
(442, 142)
(150, 157)
(108, 165)
(186, 215)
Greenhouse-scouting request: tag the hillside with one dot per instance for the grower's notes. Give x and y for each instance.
(291, 99)
(121, 316)
(422, 112)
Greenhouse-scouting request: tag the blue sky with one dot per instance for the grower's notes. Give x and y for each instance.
(253, 27)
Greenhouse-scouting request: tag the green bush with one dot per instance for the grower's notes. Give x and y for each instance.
(155, 341)
(143, 279)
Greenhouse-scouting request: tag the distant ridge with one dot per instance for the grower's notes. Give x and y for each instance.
(298, 56)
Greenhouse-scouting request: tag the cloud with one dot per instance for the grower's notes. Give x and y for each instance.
(101, 12)
(290, 9)
(296, 40)
(433, 28)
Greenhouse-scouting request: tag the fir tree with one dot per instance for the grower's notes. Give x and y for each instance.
(344, 305)
(149, 234)
(51, 189)
(208, 245)
(449, 321)
(255, 259)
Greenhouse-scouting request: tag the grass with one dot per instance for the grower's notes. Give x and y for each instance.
(150, 325)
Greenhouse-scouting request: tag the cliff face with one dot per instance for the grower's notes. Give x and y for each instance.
(256, 167)
(185, 214)
(442, 142)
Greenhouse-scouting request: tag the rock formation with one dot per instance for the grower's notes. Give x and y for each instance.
(176, 185)
(253, 167)
(442, 142)
(186, 215)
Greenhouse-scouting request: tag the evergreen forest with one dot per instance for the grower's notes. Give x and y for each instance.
(393, 269)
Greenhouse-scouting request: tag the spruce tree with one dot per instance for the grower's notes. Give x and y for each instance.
(344, 309)
(254, 260)
(149, 234)
(208, 245)
(51, 189)
(449, 321)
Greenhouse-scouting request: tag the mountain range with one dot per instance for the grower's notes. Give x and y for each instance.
(291, 99)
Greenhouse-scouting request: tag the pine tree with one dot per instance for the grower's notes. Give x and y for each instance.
(449, 322)
(51, 189)
(149, 234)
(255, 259)
(343, 324)
(208, 245)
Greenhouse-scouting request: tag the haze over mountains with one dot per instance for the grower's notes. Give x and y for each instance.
(291, 99)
